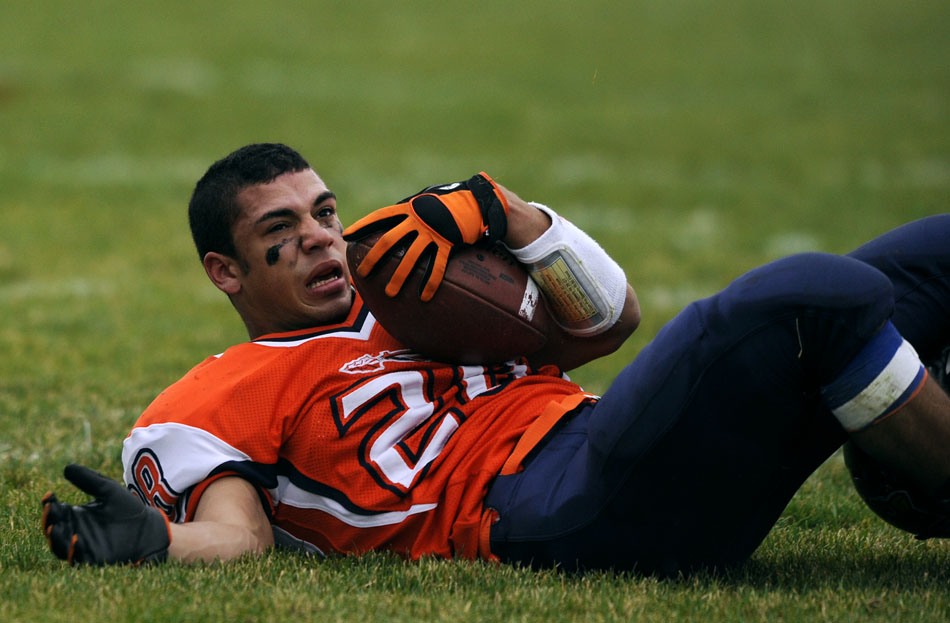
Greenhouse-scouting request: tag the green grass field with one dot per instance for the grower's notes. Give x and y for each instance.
(693, 139)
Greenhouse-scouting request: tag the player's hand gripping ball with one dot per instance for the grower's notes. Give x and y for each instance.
(486, 310)
(430, 225)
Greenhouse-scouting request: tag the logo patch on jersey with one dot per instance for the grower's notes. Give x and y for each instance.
(367, 364)
(148, 482)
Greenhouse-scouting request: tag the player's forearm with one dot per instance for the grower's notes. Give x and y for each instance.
(570, 351)
(229, 521)
(208, 541)
(525, 222)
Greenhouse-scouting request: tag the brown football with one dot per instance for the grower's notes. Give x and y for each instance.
(486, 310)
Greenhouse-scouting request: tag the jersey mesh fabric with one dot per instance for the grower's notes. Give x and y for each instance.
(355, 442)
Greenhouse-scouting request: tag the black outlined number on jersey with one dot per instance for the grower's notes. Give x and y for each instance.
(409, 433)
(148, 482)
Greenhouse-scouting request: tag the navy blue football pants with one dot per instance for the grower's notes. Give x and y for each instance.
(699, 444)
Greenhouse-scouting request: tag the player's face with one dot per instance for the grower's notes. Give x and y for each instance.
(292, 267)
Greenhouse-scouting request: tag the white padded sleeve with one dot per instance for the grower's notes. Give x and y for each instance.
(583, 286)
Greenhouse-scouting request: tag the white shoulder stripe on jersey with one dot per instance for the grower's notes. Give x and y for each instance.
(294, 496)
(187, 455)
(348, 333)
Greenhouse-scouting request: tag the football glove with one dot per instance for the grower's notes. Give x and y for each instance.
(114, 528)
(431, 223)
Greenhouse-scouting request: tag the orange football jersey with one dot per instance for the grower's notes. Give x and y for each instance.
(355, 442)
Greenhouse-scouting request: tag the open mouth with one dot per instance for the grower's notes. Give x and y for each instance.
(324, 278)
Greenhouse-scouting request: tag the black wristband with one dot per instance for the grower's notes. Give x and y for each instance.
(493, 211)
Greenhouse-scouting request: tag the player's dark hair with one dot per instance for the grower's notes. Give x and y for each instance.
(214, 208)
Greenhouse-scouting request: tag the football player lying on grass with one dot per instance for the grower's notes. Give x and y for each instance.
(325, 433)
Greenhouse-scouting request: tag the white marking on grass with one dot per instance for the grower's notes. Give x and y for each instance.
(185, 76)
(873, 175)
(593, 218)
(700, 229)
(114, 168)
(791, 242)
(583, 168)
(41, 289)
(918, 174)
(299, 82)
(932, 173)
(673, 298)
(643, 173)
(421, 165)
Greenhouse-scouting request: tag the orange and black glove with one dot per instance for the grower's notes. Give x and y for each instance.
(430, 224)
(114, 528)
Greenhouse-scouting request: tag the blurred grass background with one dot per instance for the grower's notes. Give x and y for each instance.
(693, 139)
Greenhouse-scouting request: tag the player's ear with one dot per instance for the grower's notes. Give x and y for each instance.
(223, 271)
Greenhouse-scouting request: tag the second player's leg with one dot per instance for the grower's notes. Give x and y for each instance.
(916, 259)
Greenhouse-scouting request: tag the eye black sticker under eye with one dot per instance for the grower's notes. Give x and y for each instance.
(273, 254)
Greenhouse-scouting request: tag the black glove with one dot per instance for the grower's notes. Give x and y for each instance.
(114, 528)
(431, 222)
